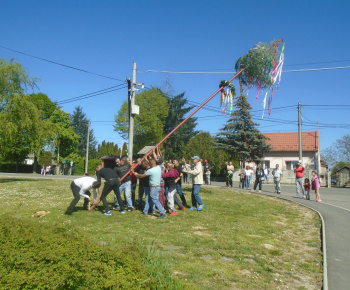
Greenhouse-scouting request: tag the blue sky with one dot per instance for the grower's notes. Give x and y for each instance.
(106, 37)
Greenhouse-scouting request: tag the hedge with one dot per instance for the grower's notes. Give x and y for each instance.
(38, 256)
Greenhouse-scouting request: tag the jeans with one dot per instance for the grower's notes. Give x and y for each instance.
(182, 196)
(277, 182)
(154, 193)
(148, 201)
(112, 184)
(300, 183)
(247, 181)
(76, 189)
(195, 195)
(126, 187)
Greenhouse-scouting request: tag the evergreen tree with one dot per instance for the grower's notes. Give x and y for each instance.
(241, 136)
(79, 122)
(177, 112)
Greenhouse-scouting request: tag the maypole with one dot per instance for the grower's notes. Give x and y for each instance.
(260, 67)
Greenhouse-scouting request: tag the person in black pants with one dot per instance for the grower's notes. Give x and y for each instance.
(259, 174)
(80, 188)
(112, 183)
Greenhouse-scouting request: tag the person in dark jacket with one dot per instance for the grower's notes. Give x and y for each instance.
(259, 175)
(112, 183)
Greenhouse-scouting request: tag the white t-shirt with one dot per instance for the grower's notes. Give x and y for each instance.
(230, 169)
(248, 172)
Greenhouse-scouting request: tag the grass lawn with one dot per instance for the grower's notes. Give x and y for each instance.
(239, 240)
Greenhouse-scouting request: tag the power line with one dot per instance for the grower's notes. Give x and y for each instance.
(64, 65)
(90, 95)
(233, 72)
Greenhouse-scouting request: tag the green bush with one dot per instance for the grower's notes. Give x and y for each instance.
(11, 168)
(37, 256)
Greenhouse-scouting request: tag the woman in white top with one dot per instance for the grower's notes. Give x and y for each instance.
(230, 168)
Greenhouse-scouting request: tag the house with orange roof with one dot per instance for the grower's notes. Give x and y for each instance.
(285, 150)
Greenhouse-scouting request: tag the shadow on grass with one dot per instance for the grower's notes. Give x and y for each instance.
(8, 180)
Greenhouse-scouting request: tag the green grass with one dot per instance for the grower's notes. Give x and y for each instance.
(239, 240)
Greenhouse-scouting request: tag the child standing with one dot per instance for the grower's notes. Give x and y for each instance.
(316, 185)
(307, 188)
(241, 179)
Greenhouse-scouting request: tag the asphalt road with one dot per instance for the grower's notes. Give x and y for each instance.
(334, 210)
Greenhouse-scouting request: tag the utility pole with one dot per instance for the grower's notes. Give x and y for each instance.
(300, 138)
(87, 149)
(131, 110)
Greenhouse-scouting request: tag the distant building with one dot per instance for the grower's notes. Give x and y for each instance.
(343, 177)
(285, 150)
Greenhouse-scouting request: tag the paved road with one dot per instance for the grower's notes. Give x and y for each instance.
(334, 208)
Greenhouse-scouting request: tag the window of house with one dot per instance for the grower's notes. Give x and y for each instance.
(266, 164)
(291, 165)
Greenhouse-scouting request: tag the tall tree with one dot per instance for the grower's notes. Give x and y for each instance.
(241, 136)
(64, 140)
(14, 80)
(148, 125)
(177, 112)
(22, 129)
(203, 145)
(79, 122)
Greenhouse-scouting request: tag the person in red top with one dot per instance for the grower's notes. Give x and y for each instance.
(299, 178)
(169, 178)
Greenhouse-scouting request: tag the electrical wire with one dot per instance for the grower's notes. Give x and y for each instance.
(60, 64)
(233, 72)
(90, 95)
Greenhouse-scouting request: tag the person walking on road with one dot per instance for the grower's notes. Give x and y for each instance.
(229, 176)
(277, 173)
(259, 174)
(299, 178)
(316, 186)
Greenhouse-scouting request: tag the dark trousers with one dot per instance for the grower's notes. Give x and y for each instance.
(133, 188)
(229, 179)
(258, 180)
(112, 184)
(75, 190)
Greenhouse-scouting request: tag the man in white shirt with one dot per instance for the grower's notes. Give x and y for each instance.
(277, 178)
(80, 188)
(197, 177)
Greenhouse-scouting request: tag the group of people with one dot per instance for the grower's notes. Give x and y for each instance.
(159, 183)
(261, 175)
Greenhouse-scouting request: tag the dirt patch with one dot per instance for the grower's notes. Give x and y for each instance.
(204, 234)
(199, 228)
(268, 246)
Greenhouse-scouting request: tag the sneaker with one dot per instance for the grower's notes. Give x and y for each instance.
(173, 213)
(130, 209)
(162, 216)
(116, 208)
(259, 191)
(107, 213)
(200, 207)
(122, 211)
(182, 208)
(192, 208)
